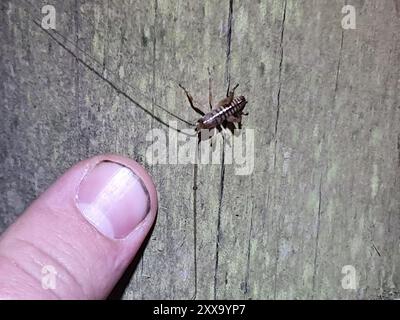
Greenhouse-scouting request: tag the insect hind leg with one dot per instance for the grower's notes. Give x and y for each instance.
(229, 92)
(190, 98)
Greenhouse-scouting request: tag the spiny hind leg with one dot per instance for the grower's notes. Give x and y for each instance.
(229, 97)
(229, 92)
(190, 98)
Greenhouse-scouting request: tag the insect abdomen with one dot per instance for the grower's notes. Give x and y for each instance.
(218, 115)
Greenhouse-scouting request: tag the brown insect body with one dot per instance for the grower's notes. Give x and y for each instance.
(223, 112)
(228, 111)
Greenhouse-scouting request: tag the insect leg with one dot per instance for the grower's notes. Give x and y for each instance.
(229, 96)
(229, 92)
(229, 87)
(190, 98)
(230, 126)
(235, 87)
(237, 119)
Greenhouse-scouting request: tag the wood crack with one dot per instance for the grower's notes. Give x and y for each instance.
(222, 177)
(376, 249)
(278, 105)
(317, 236)
(228, 45)
(247, 277)
(278, 102)
(195, 172)
(280, 70)
(221, 195)
(339, 62)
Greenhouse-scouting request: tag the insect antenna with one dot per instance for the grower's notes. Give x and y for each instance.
(102, 76)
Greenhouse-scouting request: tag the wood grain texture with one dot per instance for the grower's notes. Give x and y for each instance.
(323, 101)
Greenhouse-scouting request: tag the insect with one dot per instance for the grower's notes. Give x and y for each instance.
(228, 111)
(225, 114)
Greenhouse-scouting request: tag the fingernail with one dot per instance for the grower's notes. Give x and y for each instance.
(113, 199)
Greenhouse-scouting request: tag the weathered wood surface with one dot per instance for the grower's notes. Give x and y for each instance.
(323, 101)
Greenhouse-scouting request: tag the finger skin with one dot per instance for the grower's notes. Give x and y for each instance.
(53, 232)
